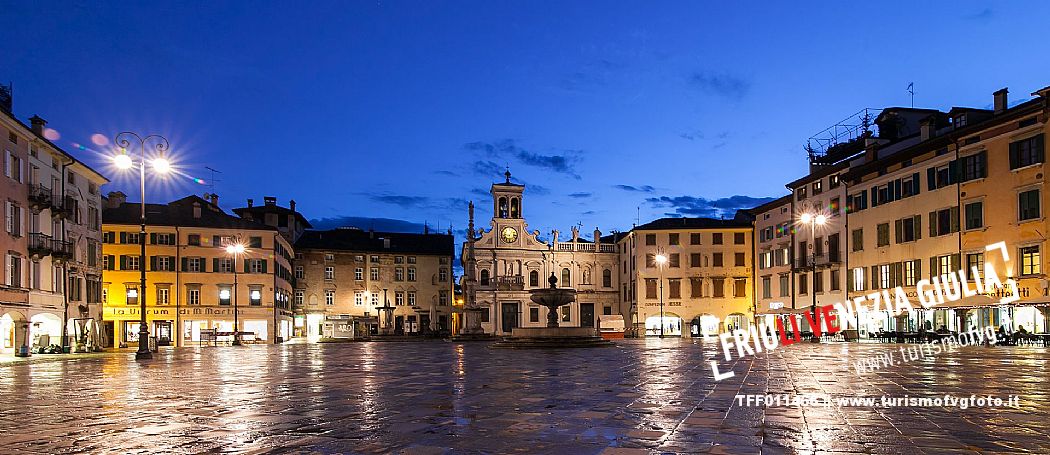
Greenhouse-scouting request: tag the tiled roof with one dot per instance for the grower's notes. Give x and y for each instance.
(375, 242)
(691, 223)
(179, 213)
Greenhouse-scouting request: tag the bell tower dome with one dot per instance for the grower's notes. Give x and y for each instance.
(506, 199)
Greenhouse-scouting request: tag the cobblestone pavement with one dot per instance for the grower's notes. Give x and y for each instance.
(642, 396)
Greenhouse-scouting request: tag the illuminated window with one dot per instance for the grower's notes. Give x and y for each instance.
(1030, 260)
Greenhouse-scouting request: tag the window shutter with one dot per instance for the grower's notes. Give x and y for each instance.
(918, 226)
(874, 196)
(1039, 153)
(263, 265)
(216, 240)
(931, 179)
(918, 269)
(953, 171)
(123, 237)
(204, 265)
(7, 269)
(153, 263)
(874, 277)
(896, 189)
(933, 266)
(955, 259)
(1015, 155)
(933, 224)
(955, 219)
(215, 264)
(123, 262)
(111, 258)
(898, 228)
(849, 280)
(185, 264)
(247, 263)
(153, 238)
(982, 165)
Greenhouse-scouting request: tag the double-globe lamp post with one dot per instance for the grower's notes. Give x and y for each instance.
(661, 259)
(158, 145)
(813, 220)
(235, 249)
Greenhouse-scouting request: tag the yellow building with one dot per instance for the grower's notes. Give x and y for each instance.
(192, 283)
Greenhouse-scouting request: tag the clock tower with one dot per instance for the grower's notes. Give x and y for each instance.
(508, 224)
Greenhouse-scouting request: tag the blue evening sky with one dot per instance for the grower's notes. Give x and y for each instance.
(407, 110)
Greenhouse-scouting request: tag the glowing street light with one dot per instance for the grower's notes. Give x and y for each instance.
(813, 220)
(235, 249)
(158, 145)
(661, 259)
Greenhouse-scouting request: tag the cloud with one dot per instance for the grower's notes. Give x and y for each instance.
(417, 203)
(480, 192)
(365, 223)
(448, 173)
(538, 190)
(639, 189)
(725, 85)
(702, 207)
(580, 195)
(562, 161)
(984, 15)
(403, 201)
(692, 136)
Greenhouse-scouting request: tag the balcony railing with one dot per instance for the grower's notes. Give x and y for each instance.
(40, 244)
(509, 283)
(62, 207)
(586, 247)
(39, 196)
(61, 249)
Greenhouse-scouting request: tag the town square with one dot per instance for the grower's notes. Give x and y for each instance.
(594, 227)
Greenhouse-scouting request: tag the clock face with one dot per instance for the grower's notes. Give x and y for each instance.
(509, 234)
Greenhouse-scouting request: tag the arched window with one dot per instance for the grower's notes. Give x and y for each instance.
(565, 278)
(515, 210)
(484, 277)
(534, 278)
(607, 278)
(502, 209)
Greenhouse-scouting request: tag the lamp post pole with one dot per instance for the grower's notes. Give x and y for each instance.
(125, 140)
(661, 300)
(236, 321)
(813, 284)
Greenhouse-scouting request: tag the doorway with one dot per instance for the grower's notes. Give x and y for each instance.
(587, 315)
(510, 316)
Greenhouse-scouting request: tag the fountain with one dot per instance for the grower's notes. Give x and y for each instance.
(553, 335)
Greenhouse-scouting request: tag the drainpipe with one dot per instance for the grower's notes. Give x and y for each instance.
(65, 265)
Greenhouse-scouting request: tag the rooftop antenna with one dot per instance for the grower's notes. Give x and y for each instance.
(911, 91)
(211, 181)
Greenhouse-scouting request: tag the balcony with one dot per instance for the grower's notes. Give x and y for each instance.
(62, 207)
(39, 196)
(61, 249)
(505, 283)
(39, 244)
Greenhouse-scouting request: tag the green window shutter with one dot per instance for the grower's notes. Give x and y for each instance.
(153, 263)
(123, 237)
(1015, 155)
(263, 265)
(215, 264)
(216, 240)
(152, 238)
(111, 258)
(955, 219)
(953, 171)
(915, 187)
(246, 268)
(918, 226)
(918, 269)
(123, 262)
(955, 261)
(849, 280)
(982, 165)
(933, 266)
(1039, 152)
(185, 264)
(931, 179)
(933, 224)
(898, 229)
(204, 265)
(874, 277)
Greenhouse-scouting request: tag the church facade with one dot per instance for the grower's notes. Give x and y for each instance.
(501, 264)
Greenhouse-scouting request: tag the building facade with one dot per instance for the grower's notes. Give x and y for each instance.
(51, 294)
(192, 284)
(503, 263)
(774, 280)
(345, 277)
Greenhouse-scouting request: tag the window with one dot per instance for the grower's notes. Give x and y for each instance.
(165, 263)
(672, 239)
(674, 288)
(565, 275)
(399, 298)
(1028, 205)
(719, 287)
(193, 294)
(442, 274)
(650, 288)
(329, 297)
(359, 258)
(974, 215)
(329, 273)
(857, 201)
(255, 296)
(694, 238)
(818, 282)
(800, 193)
(834, 274)
(1030, 260)
(942, 265)
(373, 274)
(944, 221)
(834, 181)
(399, 274)
(224, 265)
(975, 260)
(484, 277)
(359, 273)
(674, 260)
(803, 283)
(740, 287)
(907, 229)
(785, 285)
(974, 166)
(374, 258)
(858, 240)
(650, 239)
(130, 263)
(818, 187)
(299, 298)
(738, 238)
(399, 259)
(716, 238)
(442, 298)
(607, 278)
(375, 299)
(767, 288)
(882, 234)
(694, 260)
(884, 277)
(411, 298)
(359, 298)
(857, 279)
(256, 266)
(224, 295)
(1026, 152)
(411, 274)
(716, 260)
(696, 287)
(534, 314)
(255, 242)
(193, 239)
(163, 238)
(329, 257)
(443, 260)
(299, 274)
(738, 259)
(411, 259)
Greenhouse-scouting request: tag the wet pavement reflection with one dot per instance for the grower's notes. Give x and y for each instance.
(641, 396)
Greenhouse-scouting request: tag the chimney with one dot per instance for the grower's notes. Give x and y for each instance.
(251, 202)
(38, 124)
(213, 198)
(371, 233)
(871, 150)
(291, 204)
(386, 244)
(115, 199)
(1000, 100)
(196, 209)
(270, 201)
(5, 98)
(926, 128)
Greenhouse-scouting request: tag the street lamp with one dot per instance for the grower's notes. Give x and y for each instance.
(235, 249)
(813, 220)
(661, 259)
(160, 166)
